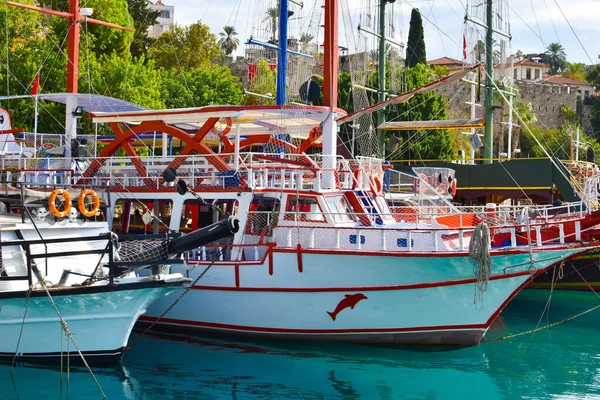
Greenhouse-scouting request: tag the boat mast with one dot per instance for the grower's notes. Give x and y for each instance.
(282, 57)
(489, 91)
(330, 88)
(381, 73)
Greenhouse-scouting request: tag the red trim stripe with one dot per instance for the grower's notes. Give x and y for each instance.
(312, 331)
(237, 275)
(359, 289)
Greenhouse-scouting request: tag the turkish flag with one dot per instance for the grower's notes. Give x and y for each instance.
(36, 84)
(464, 47)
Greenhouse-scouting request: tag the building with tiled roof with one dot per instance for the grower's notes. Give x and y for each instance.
(584, 89)
(451, 63)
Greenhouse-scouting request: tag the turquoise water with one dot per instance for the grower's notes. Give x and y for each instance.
(560, 363)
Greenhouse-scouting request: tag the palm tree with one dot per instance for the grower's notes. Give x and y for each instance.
(555, 57)
(575, 71)
(273, 16)
(306, 38)
(228, 41)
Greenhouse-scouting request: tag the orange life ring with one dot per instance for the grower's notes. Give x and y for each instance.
(52, 203)
(95, 203)
(453, 192)
(356, 179)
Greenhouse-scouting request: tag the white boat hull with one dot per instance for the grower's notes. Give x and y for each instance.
(427, 298)
(101, 320)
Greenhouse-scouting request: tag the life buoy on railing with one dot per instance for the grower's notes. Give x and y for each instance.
(82, 206)
(453, 187)
(356, 178)
(376, 183)
(575, 170)
(52, 203)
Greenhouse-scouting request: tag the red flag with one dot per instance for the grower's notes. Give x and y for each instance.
(36, 84)
(464, 47)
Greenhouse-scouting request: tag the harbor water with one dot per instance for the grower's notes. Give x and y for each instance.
(558, 363)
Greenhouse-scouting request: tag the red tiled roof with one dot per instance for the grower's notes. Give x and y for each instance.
(564, 81)
(529, 63)
(445, 61)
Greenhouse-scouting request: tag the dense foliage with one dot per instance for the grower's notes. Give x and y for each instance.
(177, 70)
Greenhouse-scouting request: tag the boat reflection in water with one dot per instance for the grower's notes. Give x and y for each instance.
(559, 362)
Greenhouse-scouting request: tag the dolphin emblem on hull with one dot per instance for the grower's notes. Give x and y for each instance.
(349, 300)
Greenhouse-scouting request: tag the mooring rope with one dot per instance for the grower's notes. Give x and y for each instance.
(541, 328)
(68, 333)
(22, 326)
(479, 251)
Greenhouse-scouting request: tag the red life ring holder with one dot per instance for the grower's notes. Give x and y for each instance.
(376, 183)
(454, 187)
(356, 178)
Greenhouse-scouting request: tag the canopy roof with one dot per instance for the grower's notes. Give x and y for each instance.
(295, 120)
(433, 124)
(93, 102)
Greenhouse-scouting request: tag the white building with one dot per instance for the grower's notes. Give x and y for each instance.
(164, 22)
(523, 70)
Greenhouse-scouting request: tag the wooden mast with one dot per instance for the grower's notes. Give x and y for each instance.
(330, 90)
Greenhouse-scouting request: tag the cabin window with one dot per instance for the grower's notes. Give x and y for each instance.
(263, 216)
(303, 209)
(128, 216)
(340, 209)
(528, 73)
(198, 214)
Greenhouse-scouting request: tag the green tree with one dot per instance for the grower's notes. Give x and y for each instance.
(306, 38)
(415, 46)
(189, 47)
(593, 75)
(143, 18)
(576, 71)
(435, 144)
(556, 57)
(264, 83)
(201, 87)
(228, 40)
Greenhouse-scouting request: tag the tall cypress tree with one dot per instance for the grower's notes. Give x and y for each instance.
(415, 47)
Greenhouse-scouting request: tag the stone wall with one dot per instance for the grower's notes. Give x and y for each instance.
(546, 100)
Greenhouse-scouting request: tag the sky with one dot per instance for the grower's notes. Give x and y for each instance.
(533, 23)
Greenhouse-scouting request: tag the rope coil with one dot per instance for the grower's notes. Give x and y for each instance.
(479, 251)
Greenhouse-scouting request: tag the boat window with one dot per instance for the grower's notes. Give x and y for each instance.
(197, 214)
(340, 209)
(128, 216)
(263, 216)
(305, 208)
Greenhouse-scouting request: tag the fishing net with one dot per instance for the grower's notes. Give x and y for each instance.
(139, 250)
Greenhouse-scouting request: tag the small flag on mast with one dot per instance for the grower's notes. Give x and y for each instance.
(36, 84)
(464, 47)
